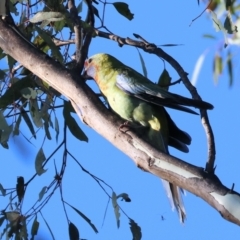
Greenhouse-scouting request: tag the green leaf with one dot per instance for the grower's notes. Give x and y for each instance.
(49, 16)
(217, 67)
(79, 7)
(23, 230)
(11, 61)
(42, 192)
(124, 197)
(45, 105)
(72, 124)
(23, 17)
(46, 128)
(55, 50)
(216, 22)
(13, 8)
(35, 227)
(14, 80)
(218, 26)
(69, 107)
(56, 127)
(95, 11)
(2, 190)
(59, 25)
(87, 27)
(16, 127)
(229, 67)
(228, 24)
(12, 216)
(164, 80)
(143, 64)
(44, 24)
(2, 220)
(40, 159)
(209, 36)
(47, 118)
(28, 122)
(123, 9)
(73, 232)
(5, 145)
(116, 208)
(20, 188)
(13, 93)
(3, 9)
(2, 54)
(29, 93)
(35, 113)
(24, 72)
(2, 74)
(135, 230)
(5, 134)
(171, 45)
(84, 217)
(3, 122)
(228, 4)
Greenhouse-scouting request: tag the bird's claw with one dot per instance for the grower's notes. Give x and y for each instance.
(125, 124)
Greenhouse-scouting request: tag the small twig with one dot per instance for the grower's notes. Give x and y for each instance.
(77, 29)
(200, 13)
(60, 43)
(172, 83)
(87, 36)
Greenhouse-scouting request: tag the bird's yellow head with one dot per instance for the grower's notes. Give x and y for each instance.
(99, 65)
(94, 63)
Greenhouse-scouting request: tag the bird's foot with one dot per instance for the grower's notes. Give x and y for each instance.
(125, 124)
(128, 125)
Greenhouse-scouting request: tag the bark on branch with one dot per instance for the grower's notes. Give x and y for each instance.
(192, 178)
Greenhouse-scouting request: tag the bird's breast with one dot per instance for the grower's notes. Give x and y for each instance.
(122, 104)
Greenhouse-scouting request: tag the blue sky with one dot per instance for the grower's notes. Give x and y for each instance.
(160, 23)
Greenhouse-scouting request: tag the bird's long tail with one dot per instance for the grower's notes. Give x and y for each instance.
(156, 139)
(174, 194)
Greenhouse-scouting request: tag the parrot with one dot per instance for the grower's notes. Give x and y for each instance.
(138, 100)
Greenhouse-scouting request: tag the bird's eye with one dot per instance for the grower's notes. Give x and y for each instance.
(89, 60)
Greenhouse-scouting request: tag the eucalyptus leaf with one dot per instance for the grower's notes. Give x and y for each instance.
(135, 230)
(35, 227)
(123, 9)
(73, 232)
(49, 16)
(116, 208)
(41, 194)
(72, 124)
(40, 159)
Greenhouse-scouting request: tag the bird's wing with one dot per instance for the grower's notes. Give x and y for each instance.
(135, 84)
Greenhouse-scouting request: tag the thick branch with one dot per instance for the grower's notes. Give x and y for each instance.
(94, 113)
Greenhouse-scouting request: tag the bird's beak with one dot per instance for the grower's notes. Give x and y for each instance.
(85, 75)
(85, 69)
(86, 64)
